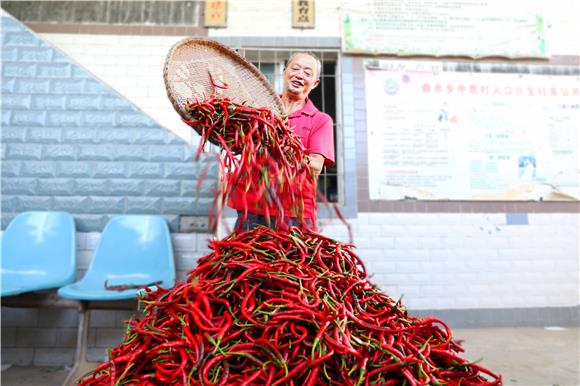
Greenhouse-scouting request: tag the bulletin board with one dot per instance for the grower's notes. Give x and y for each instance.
(473, 28)
(472, 131)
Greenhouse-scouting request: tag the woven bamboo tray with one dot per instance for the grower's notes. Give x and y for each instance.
(187, 79)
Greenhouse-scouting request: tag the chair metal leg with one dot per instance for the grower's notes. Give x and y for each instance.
(81, 365)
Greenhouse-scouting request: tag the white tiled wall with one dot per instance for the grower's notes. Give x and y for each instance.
(433, 260)
(444, 261)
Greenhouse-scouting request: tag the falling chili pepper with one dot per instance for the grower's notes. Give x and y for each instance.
(124, 287)
(260, 153)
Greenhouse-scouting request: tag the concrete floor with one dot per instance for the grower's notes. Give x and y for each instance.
(524, 357)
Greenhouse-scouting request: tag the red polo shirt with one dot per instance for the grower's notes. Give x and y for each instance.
(316, 132)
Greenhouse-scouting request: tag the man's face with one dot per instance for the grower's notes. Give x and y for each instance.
(300, 76)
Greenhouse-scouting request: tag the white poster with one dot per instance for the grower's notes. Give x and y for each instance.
(474, 28)
(472, 131)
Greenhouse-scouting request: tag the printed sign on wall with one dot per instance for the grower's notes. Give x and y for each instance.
(216, 14)
(448, 130)
(474, 28)
(303, 14)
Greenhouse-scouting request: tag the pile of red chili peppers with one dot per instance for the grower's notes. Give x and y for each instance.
(278, 306)
(271, 307)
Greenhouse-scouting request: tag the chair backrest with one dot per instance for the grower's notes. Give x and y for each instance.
(38, 252)
(133, 250)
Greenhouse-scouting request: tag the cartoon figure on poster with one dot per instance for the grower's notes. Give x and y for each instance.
(446, 115)
(527, 167)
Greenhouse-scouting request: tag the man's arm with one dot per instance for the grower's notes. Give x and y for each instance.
(316, 162)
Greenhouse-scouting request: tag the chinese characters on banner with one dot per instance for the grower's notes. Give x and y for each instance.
(303, 14)
(216, 13)
(444, 28)
(439, 130)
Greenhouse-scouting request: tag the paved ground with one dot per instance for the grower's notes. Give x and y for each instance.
(524, 356)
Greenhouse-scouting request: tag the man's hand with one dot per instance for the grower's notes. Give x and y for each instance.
(316, 162)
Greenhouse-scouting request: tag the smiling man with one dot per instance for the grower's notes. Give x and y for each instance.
(315, 129)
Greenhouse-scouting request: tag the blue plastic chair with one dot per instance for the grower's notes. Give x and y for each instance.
(38, 252)
(134, 251)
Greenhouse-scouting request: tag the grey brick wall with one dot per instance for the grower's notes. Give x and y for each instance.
(71, 143)
(47, 337)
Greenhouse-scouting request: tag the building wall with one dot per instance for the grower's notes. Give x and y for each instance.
(447, 214)
(273, 18)
(519, 218)
(472, 264)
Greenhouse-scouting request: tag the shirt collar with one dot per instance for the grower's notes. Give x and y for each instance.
(308, 109)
